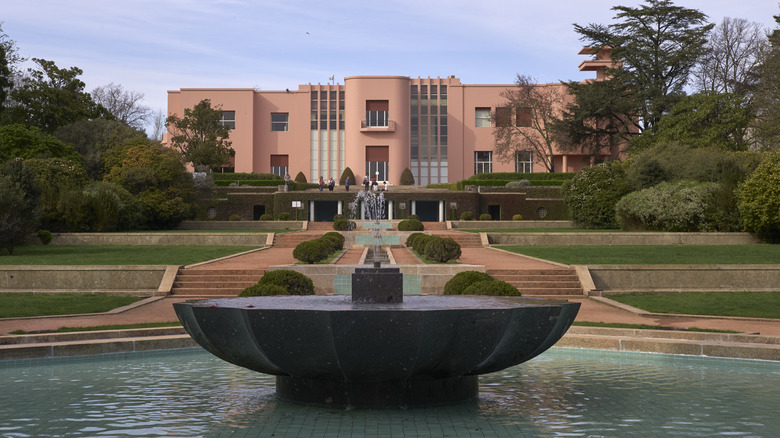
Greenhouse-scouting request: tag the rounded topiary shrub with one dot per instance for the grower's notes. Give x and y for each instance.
(343, 225)
(407, 178)
(414, 216)
(492, 287)
(467, 216)
(592, 194)
(441, 250)
(263, 290)
(410, 225)
(300, 178)
(266, 217)
(462, 280)
(412, 237)
(234, 217)
(485, 217)
(420, 242)
(44, 236)
(336, 238)
(517, 217)
(284, 216)
(311, 251)
(451, 248)
(293, 282)
(338, 216)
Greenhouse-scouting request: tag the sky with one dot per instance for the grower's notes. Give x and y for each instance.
(152, 46)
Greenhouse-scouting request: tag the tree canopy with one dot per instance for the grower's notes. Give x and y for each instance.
(200, 137)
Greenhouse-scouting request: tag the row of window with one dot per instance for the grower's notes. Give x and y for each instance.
(504, 117)
(483, 162)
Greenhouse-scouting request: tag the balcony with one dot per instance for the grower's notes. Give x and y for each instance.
(377, 126)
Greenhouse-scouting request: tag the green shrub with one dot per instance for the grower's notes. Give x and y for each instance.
(347, 173)
(336, 238)
(759, 199)
(311, 251)
(678, 206)
(485, 217)
(343, 225)
(301, 178)
(44, 236)
(418, 245)
(515, 176)
(293, 282)
(410, 225)
(517, 217)
(462, 280)
(592, 194)
(407, 178)
(338, 216)
(414, 216)
(518, 184)
(266, 217)
(412, 237)
(234, 217)
(284, 216)
(467, 216)
(263, 290)
(493, 288)
(451, 249)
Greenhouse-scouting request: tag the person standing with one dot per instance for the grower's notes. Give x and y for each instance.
(346, 183)
(366, 182)
(331, 184)
(322, 183)
(287, 181)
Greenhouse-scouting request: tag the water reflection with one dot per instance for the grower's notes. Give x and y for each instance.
(561, 393)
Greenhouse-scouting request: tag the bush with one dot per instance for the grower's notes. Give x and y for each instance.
(679, 206)
(485, 217)
(592, 194)
(338, 216)
(284, 216)
(336, 238)
(293, 282)
(301, 178)
(451, 248)
(518, 184)
(266, 217)
(412, 237)
(410, 225)
(493, 288)
(347, 173)
(312, 251)
(462, 280)
(407, 178)
(263, 290)
(343, 225)
(419, 243)
(44, 236)
(759, 199)
(414, 216)
(234, 217)
(517, 217)
(467, 216)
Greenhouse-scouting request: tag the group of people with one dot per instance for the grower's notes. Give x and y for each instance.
(331, 184)
(368, 183)
(373, 184)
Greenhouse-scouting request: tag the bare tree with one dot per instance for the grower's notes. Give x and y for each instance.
(733, 53)
(158, 126)
(525, 122)
(123, 104)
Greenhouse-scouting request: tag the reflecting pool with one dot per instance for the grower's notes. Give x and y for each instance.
(564, 392)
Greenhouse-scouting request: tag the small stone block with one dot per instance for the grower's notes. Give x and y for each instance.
(377, 285)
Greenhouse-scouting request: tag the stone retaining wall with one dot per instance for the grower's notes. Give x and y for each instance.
(498, 225)
(571, 239)
(685, 278)
(241, 225)
(147, 280)
(231, 239)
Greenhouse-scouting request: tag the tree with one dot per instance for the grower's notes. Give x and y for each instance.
(657, 44)
(732, 55)
(592, 194)
(124, 105)
(49, 97)
(29, 142)
(701, 120)
(526, 120)
(158, 126)
(759, 199)
(9, 59)
(19, 209)
(55, 177)
(93, 138)
(767, 97)
(200, 137)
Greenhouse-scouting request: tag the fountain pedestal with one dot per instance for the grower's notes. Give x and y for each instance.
(377, 285)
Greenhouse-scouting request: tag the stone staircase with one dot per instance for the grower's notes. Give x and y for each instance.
(320, 226)
(291, 240)
(465, 240)
(540, 281)
(214, 282)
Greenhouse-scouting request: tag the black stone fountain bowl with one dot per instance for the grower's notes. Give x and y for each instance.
(330, 339)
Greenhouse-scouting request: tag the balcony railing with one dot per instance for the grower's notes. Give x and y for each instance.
(389, 126)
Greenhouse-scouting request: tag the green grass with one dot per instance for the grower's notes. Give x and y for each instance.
(258, 231)
(744, 304)
(116, 254)
(645, 327)
(533, 230)
(19, 305)
(119, 327)
(760, 254)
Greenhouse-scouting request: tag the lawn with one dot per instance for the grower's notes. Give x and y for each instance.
(116, 254)
(760, 254)
(746, 304)
(19, 305)
(534, 230)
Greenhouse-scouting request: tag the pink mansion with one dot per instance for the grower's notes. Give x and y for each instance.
(438, 127)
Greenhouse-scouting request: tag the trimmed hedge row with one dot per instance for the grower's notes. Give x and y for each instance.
(434, 248)
(280, 282)
(478, 283)
(317, 250)
(246, 176)
(517, 176)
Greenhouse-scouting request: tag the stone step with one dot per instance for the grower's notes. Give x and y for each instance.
(207, 292)
(550, 291)
(195, 273)
(291, 240)
(548, 272)
(219, 284)
(523, 277)
(543, 284)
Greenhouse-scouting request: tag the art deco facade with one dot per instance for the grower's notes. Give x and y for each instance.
(438, 127)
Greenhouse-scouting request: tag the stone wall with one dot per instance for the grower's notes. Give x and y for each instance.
(570, 239)
(145, 280)
(685, 278)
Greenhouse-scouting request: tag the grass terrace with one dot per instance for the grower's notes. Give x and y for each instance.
(116, 254)
(759, 254)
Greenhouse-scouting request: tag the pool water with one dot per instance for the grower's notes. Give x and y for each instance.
(564, 392)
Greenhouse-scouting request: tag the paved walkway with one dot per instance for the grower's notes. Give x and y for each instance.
(161, 310)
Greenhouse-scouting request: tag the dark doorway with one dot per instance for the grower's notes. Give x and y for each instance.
(427, 211)
(495, 212)
(257, 211)
(325, 210)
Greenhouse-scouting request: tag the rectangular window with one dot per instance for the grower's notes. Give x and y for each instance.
(228, 119)
(483, 162)
(523, 117)
(280, 164)
(376, 113)
(503, 117)
(524, 161)
(482, 117)
(279, 122)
